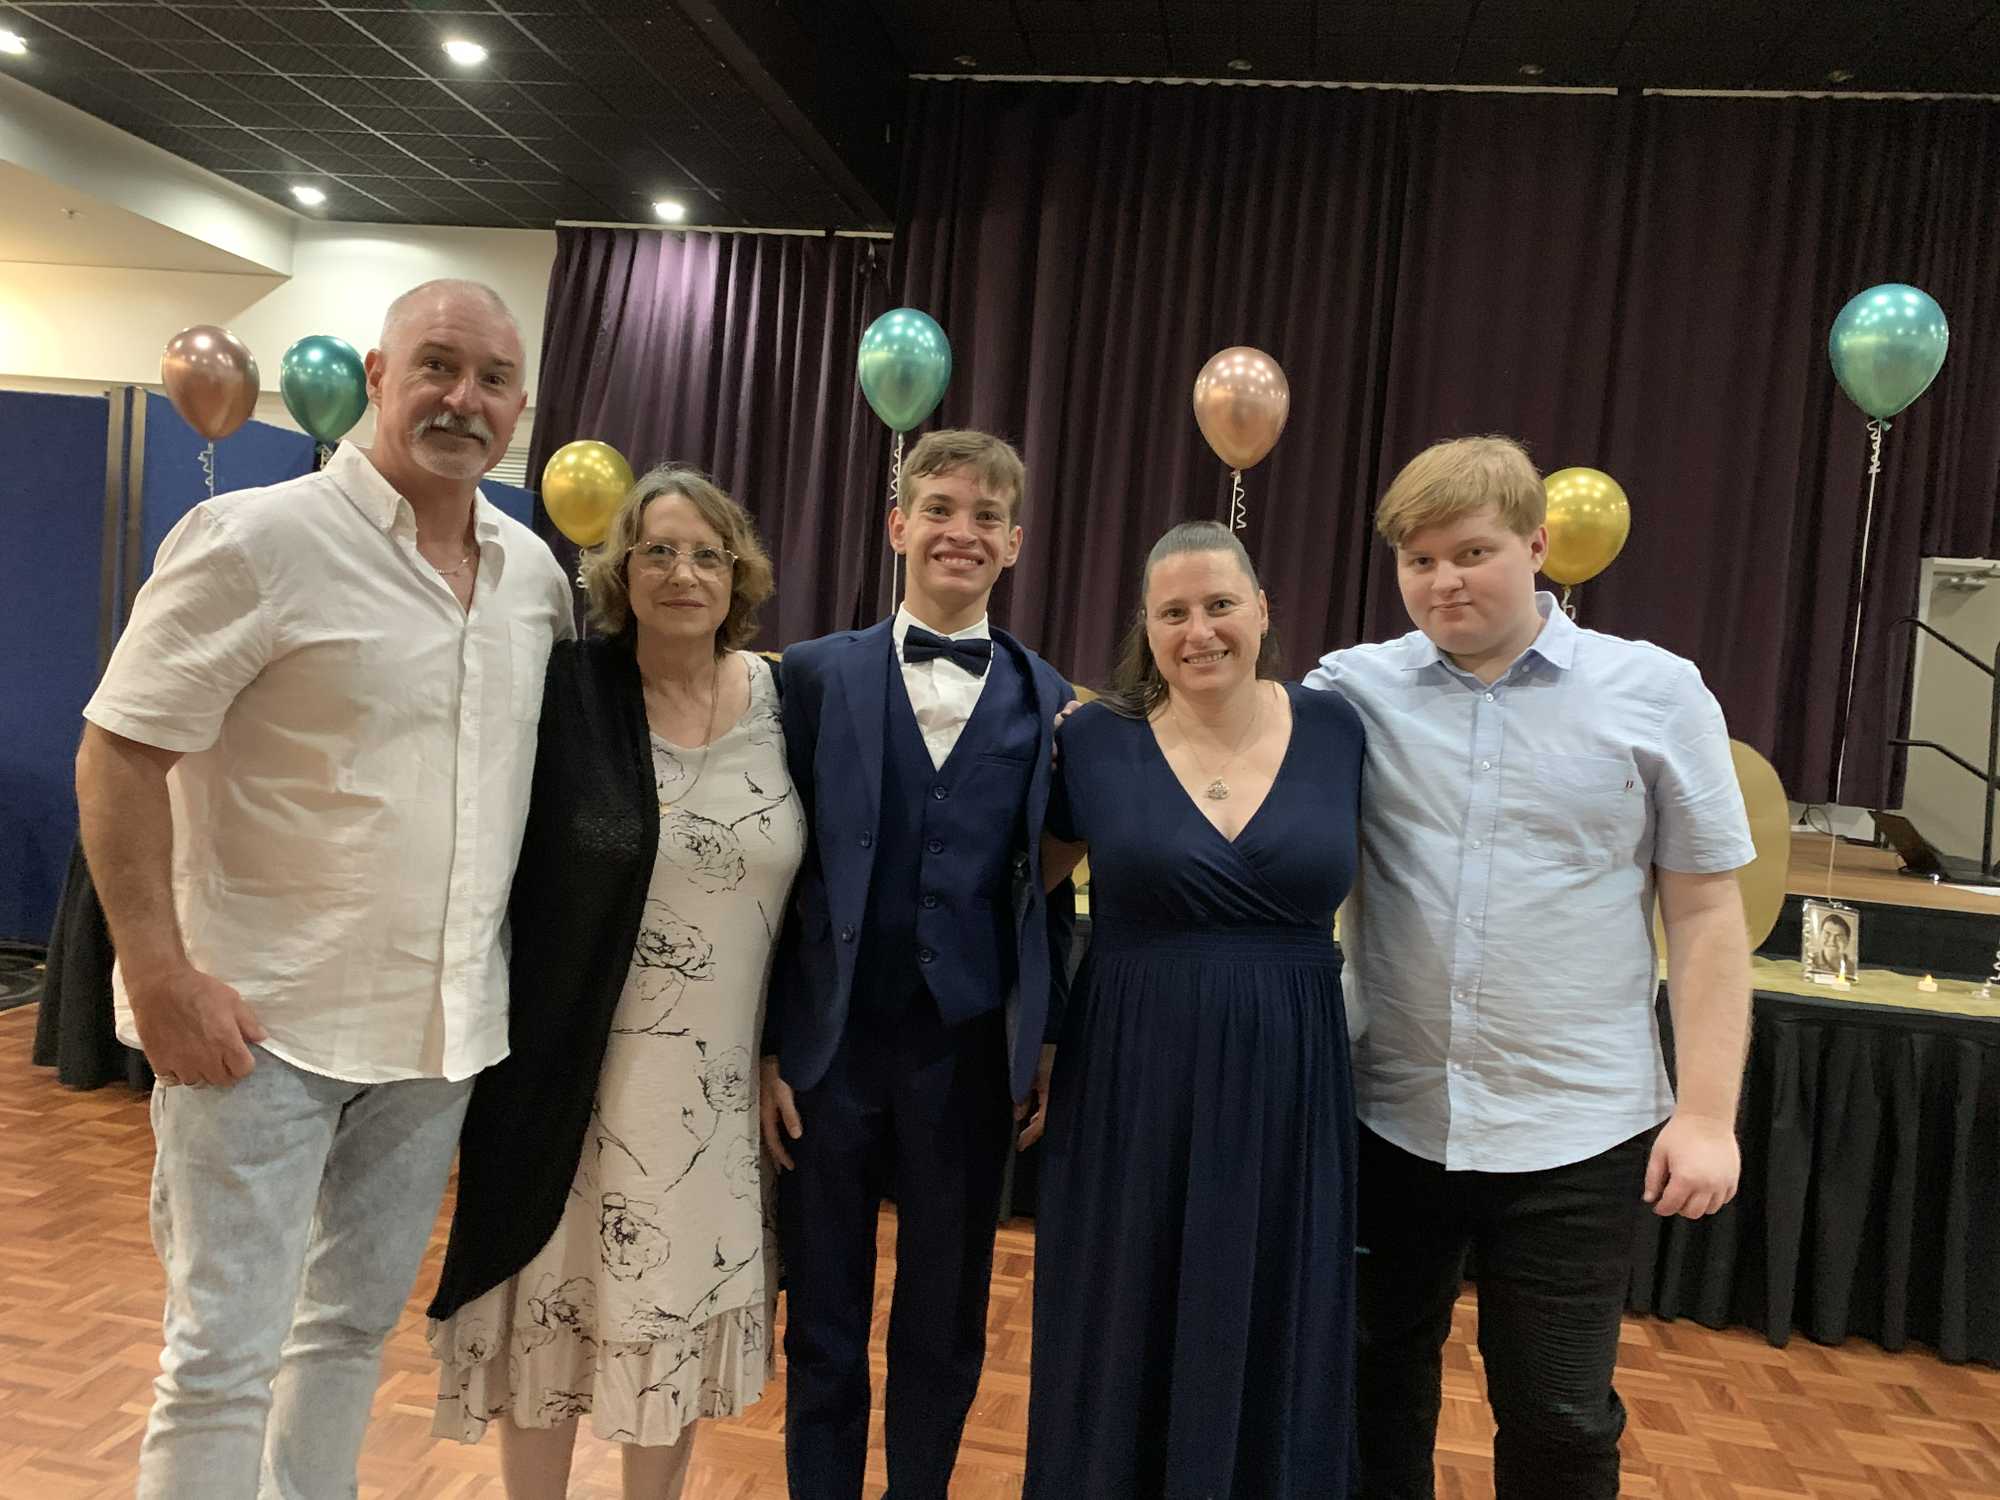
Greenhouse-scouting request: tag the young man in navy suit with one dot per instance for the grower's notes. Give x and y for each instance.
(911, 1005)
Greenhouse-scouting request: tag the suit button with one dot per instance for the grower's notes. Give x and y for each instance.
(924, 955)
(1020, 864)
(930, 903)
(868, 841)
(936, 846)
(847, 934)
(940, 792)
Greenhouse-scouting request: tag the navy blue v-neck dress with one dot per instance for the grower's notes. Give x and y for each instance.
(1194, 1257)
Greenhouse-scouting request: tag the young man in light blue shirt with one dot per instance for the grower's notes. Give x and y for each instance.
(1530, 786)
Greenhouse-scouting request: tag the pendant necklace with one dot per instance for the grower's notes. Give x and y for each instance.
(1217, 789)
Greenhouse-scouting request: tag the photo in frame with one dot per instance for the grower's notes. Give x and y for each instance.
(1830, 944)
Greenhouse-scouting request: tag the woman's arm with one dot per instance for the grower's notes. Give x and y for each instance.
(1058, 859)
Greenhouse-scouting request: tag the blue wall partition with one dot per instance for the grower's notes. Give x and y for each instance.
(84, 524)
(520, 504)
(256, 454)
(52, 499)
(67, 582)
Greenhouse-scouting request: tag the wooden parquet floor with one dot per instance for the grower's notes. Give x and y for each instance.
(1715, 1416)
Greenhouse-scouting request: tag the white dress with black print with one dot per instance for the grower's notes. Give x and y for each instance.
(652, 1303)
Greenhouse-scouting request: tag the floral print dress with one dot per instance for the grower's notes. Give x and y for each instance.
(652, 1303)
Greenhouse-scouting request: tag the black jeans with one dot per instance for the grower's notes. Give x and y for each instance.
(1553, 1251)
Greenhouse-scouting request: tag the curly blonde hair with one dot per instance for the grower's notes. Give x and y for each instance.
(603, 567)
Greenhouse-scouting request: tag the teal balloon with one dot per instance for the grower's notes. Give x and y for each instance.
(324, 385)
(1887, 346)
(904, 365)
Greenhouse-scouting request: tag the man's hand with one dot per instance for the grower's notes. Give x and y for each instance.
(1035, 1108)
(194, 1028)
(776, 1103)
(1694, 1167)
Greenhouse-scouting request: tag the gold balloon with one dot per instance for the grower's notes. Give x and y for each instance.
(210, 378)
(1241, 400)
(1764, 879)
(582, 487)
(1589, 519)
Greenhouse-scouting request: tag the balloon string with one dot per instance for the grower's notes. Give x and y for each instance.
(208, 467)
(321, 453)
(1568, 608)
(1239, 514)
(1875, 430)
(895, 499)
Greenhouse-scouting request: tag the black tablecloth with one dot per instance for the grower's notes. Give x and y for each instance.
(74, 1031)
(1870, 1202)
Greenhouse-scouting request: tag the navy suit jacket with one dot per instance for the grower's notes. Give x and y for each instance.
(835, 714)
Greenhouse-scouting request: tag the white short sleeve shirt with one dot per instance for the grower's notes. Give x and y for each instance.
(356, 755)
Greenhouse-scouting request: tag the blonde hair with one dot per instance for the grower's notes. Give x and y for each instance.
(603, 567)
(1451, 480)
(993, 462)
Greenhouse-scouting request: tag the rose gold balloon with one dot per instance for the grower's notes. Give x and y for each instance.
(211, 379)
(1241, 400)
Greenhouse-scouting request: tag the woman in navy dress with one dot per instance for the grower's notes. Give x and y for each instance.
(1194, 1270)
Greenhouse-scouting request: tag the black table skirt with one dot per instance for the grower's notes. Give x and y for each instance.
(1870, 1203)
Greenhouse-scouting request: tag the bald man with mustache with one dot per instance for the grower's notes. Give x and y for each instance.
(303, 782)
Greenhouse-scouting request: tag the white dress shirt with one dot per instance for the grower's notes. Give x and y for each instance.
(356, 754)
(1500, 942)
(942, 693)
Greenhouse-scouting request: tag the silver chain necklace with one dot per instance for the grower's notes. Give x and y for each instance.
(708, 741)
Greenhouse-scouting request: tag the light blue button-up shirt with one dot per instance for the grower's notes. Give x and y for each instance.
(1499, 942)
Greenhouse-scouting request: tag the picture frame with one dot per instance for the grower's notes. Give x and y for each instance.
(1830, 942)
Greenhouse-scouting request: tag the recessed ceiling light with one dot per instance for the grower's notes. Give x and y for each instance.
(1239, 64)
(670, 209)
(465, 54)
(1532, 70)
(311, 197)
(13, 43)
(966, 60)
(1841, 75)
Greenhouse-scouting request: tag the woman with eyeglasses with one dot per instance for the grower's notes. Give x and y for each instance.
(611, 1249)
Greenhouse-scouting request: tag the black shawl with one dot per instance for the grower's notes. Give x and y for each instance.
(579, 891)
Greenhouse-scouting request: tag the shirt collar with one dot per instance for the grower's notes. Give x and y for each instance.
(1555, 643)
(370, 493)
(978, 630)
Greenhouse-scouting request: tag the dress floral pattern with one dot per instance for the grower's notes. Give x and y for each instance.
(651, 1305)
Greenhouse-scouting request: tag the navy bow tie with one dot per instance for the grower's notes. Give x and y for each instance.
(974, 654)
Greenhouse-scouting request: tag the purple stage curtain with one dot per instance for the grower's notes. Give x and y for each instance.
(735, 353)
(1640, 284)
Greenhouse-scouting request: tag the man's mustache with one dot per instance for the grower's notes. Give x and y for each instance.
(450, 422)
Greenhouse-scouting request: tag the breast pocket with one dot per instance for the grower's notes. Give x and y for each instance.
(1577, 809)
(528, 645)
(1001, 779)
